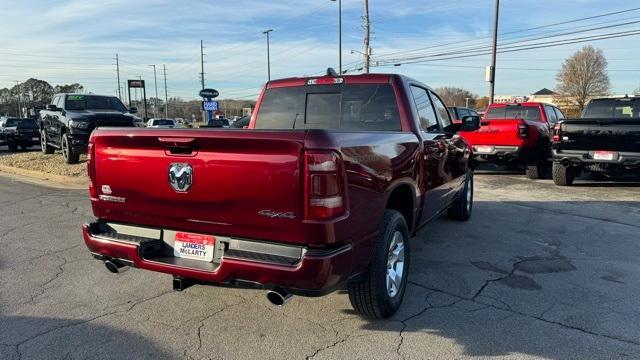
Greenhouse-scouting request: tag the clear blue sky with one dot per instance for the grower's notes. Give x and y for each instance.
(66, 41)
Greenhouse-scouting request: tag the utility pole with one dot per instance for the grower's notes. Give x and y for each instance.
(166, 97)
(18, 93)
(118, 72)
(367, 38)
(266, 32)
(492, 69)
(467, 101)
(202, 63)
(155, 101)
(339, 36)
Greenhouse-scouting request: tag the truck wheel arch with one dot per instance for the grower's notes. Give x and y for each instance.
(402, 198)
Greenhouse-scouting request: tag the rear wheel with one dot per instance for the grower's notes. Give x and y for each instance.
(563, 175)
(44, 146)
(69, 155)
(537, 168)
(461, 208)
(12, 146)
(379, 293)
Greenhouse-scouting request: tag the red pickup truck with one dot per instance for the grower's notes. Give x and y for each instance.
(322, 192)
(516, 134)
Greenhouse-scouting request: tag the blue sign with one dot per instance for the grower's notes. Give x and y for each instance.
(210, 105)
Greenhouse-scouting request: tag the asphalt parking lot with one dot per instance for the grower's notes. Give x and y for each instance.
(539, 272)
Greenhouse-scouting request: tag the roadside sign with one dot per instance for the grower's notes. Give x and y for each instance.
(136, 83)
(210, 105)
(209, 93)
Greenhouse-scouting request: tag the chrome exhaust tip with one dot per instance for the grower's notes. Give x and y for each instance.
(278, 296)
(114, 266)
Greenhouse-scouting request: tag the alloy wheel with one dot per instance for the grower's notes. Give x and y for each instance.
(395, 264)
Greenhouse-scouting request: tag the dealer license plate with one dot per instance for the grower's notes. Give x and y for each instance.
(484, 149)
(194, 246)
(605, 155)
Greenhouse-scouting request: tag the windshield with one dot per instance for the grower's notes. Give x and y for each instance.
(94, 102)
(613, 108)
(22, 123)
(163, 122)
(346, 107)
(513, 112)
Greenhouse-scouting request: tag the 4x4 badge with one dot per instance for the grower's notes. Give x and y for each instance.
(180, 176)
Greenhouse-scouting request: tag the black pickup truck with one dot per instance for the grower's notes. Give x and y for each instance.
(68, 121)
(16, 132)
(605, 140)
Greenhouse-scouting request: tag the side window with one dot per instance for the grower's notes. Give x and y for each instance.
(443, 115)
(428, 119)
(60, 103)
(559, 114)
(473, 113)
(55, 100)
(551, 115)
(462, 113)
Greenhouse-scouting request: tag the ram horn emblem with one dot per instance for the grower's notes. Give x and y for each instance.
(180, 176)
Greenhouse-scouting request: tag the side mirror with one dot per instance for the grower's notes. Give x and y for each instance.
(133, 110)
(470, 123)
(52, 107)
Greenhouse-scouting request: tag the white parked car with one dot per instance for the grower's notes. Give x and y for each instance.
(162, 123)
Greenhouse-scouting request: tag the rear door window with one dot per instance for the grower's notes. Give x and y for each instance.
(358, 107)
(551, 115)
(426, 113)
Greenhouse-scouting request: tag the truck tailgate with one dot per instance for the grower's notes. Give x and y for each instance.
(240, 181)
(601, 134)
(495, 132)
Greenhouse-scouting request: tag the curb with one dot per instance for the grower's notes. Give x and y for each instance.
(44, 178)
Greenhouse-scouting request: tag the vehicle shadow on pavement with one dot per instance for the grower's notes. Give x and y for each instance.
(24, 337)
(524, 277)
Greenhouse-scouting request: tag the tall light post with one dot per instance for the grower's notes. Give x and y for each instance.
(339, 36)
(492, 68)
(155, 101)
(266, 32)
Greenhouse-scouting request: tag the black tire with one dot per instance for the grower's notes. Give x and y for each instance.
(537, 169)
(44, 145)
(463, 206)
(12, 146)
(70, 157)
(563, 175)
(370, 296)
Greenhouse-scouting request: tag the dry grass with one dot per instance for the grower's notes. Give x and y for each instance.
(49, 164)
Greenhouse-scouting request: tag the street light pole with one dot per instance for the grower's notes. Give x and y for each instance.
(155, 101)
(492, 69)
(266, 32)
(339, 36)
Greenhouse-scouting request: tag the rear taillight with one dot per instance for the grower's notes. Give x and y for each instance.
(324, 186)
(557, 133)
(91, 169)
(523, 131)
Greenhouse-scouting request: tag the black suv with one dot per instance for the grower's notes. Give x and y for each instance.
(458, 113)
(68, 121)
(16, 132)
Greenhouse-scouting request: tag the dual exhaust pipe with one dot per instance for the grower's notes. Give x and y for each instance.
(277, 296)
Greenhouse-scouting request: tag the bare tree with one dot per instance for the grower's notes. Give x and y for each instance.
(583, 75)
(453, 96)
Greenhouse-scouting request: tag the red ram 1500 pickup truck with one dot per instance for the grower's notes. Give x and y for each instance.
(322, 192)
(516, 134)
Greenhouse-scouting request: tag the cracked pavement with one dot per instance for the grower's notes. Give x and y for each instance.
(539, 272)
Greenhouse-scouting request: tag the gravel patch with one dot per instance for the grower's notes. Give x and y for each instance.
(49, 164)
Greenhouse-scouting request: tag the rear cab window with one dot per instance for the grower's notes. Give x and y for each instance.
(354, 107)
(509, 112)
(624, 108)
